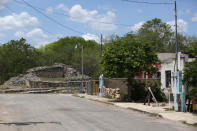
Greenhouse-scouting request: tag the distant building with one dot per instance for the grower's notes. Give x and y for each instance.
(166, 69)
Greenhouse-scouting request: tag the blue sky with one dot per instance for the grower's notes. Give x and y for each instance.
(89, 18)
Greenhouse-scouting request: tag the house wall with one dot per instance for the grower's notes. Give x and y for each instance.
(170, 66)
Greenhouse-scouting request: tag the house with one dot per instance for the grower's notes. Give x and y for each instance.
(166, 70)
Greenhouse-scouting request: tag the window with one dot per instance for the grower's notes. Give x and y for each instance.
(168, 78)
(158, 75)
(144, 74)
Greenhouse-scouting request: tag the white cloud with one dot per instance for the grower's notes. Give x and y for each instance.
(19, 34)
(139, 10)
(187, 11)
(3, 2)
(36, 36)
(184, 12)
(181, 25)
(194, 18)
(93, 18)
(2, 35)
(36, 33)
(49, 10)
(42, 43)
(137, 26)
(16, 21)
(62, 7)
(89, 36)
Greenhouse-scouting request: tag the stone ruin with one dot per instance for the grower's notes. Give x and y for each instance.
(112, 93)
(33, 77)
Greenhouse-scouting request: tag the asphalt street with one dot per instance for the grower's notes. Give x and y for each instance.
(59, 112)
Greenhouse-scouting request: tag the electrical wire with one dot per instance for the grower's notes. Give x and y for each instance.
(12, 11)
(63, 14)
(51, 19)
(146, 2)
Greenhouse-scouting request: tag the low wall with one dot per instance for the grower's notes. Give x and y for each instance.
(54, 72)
(47, 84)
(120, 83)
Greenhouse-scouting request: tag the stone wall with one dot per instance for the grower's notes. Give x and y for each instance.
(54, 71)
(48, 84)
(115, 88)
(112, 93)
(51, 72)
(120, 83)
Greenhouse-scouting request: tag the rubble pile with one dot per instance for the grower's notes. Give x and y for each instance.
(112, 93)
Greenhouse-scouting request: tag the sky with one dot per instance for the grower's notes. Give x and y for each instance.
(44, 21)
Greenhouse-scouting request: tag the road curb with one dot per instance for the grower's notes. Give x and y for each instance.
(157, 115)
(146, 112)
(134, 109)
(105, 102)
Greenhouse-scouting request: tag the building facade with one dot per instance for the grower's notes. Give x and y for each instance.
(166, 70)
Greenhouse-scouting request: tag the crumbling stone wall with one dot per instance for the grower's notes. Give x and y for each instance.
(48, 84)
(53, 71)
(32, 78)
(116, 87)
(112, 93)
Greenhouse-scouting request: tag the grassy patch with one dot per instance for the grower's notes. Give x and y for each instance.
(62, 79)
(76, 95)
(185, 122)
(154, 115)
(82, 96)
(53, 79)
(107, 96)
(169, 109)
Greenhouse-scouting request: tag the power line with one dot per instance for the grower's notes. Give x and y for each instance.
(55, 21)
(51, 19)
(63, 14)
(9, 9)
(145, 2)
(12, 11)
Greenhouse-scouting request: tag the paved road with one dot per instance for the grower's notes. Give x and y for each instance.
(55, 112)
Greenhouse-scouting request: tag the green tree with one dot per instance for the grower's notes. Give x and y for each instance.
(189, 79)
(157, 32)
(191, 49)
(15, 58)
(128, 56)
(64, 51)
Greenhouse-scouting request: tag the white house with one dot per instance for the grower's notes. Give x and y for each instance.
(168, 67)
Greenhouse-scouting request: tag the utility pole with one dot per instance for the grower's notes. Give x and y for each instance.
(175, 11)
(101, 44)
(179, 91)
(176, 62)
(81, 67)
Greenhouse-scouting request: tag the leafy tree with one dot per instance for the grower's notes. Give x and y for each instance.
(189, 79)
(64, 51)
(190, 74)
(15, 58)
(128, 56)
(157, 32)
(191, 49)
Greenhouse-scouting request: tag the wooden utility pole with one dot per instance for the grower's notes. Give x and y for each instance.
(176, 36)
(101, 44)
(82, 67)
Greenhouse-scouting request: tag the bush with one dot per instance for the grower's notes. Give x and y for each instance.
(139, 93)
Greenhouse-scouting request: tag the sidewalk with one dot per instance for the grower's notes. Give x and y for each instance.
(188, 118)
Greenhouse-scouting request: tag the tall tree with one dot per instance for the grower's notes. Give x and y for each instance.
(15, 58)
(189, 79)
(157, 32)
(64, 51)
(128, 56)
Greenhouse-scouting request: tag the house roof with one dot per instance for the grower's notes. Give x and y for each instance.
(169, 57)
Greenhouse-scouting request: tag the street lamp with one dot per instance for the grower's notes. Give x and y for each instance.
(81, 66)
